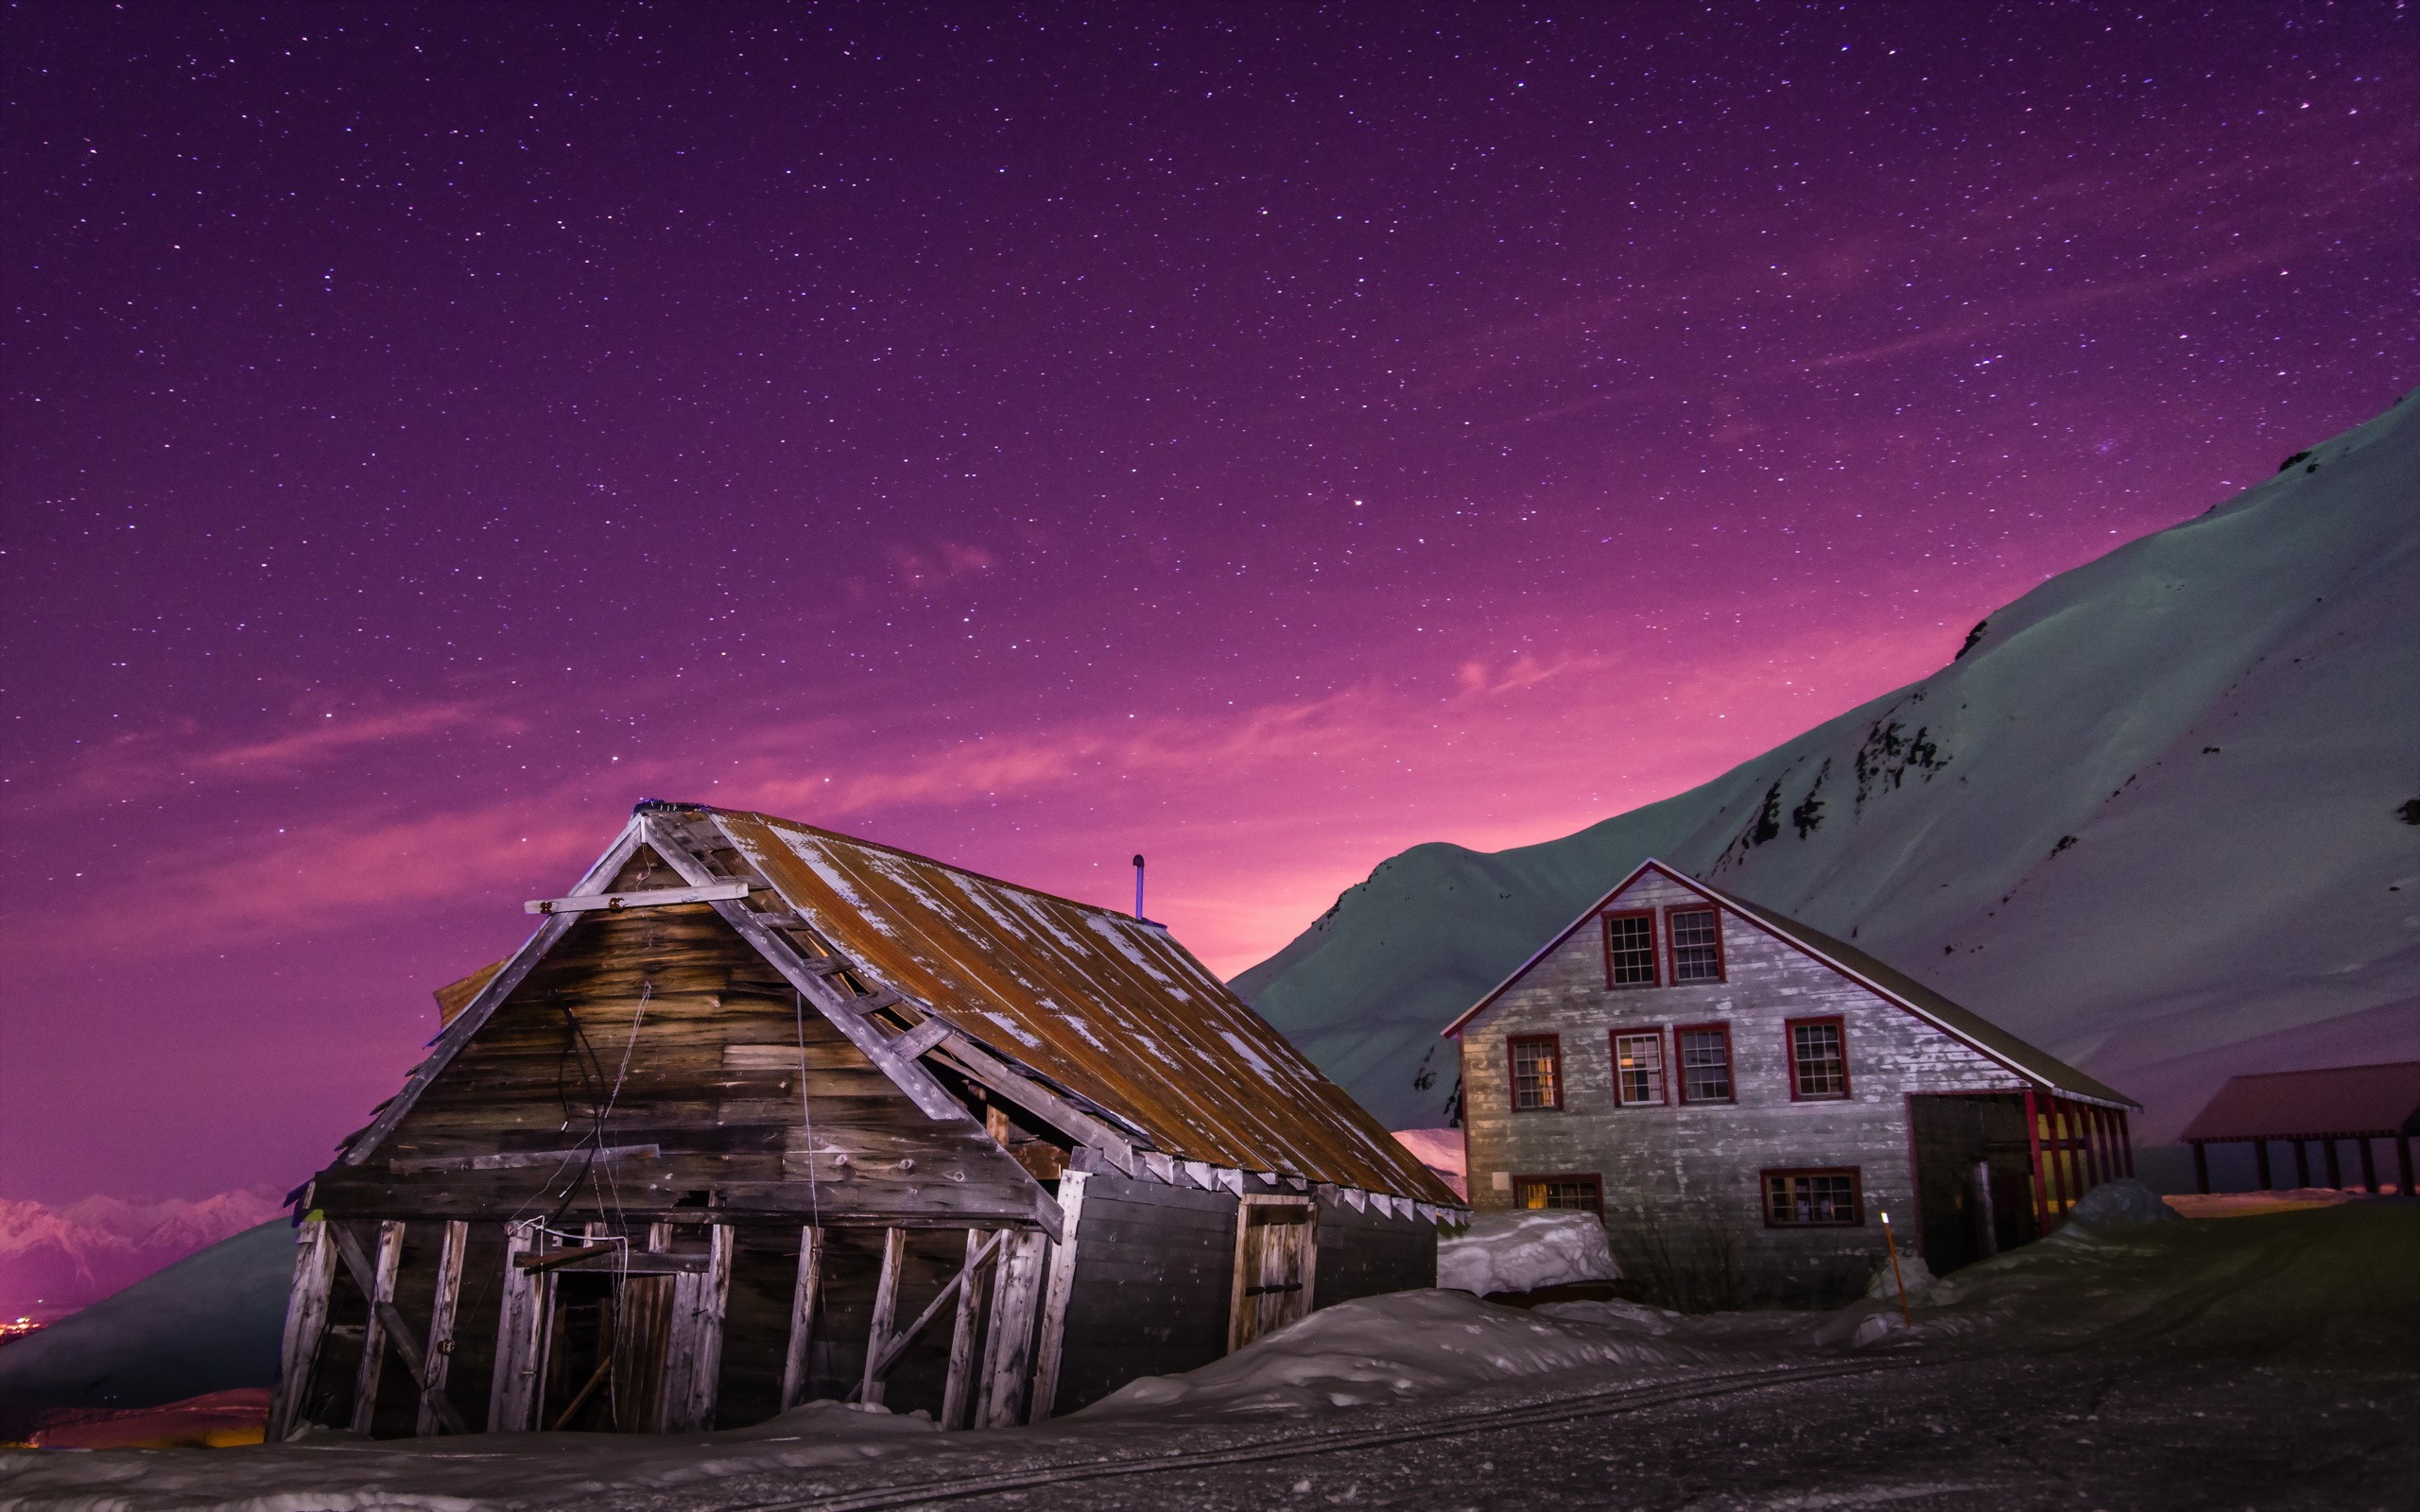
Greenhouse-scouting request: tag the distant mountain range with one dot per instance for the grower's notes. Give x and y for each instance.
(56, 1260)
(2160, 816)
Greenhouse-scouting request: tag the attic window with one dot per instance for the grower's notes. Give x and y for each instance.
(1630, 949)
(1582, 1193)
(1697, 945)
(1819, 1062)
(1537, 1072)
(1638, 1069)
(1821, 1198)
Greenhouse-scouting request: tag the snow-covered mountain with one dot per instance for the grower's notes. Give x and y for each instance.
(53, 1260)
(2161, 816)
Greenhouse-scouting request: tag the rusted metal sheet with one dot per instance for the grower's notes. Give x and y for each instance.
(1108, 1006)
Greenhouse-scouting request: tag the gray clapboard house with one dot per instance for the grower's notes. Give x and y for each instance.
(762, 1114)
(1743, 1097)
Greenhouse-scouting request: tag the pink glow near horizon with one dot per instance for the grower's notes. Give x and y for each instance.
(1023, 462)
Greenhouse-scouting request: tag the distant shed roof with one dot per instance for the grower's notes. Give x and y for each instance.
(1101, 1002)
(2342, 1102)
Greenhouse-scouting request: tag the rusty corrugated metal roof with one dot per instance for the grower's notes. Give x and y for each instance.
(1105, 1004)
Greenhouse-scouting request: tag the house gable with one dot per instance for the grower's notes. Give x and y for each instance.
(1654, 886)
(650, 1057)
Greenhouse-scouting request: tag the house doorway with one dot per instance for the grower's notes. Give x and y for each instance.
(1974, 1175)
(1276, 1258)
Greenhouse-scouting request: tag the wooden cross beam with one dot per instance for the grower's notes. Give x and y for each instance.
(896, 1344)
(399, 1332)
(654, 898)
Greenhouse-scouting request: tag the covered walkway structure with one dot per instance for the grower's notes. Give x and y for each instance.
(2358, 1103)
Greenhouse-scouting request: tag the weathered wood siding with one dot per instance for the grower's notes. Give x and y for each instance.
(1154, 1267)
(712, 1079)
(1370, 1252)
(1683, 1197)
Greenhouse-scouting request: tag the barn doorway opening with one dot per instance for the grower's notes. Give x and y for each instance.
(1974, 1175)
(1276, 1259)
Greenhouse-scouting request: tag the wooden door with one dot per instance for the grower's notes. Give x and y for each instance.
(1276, 1260)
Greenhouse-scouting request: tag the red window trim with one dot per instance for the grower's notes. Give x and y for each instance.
(1789, 1048)
(1655, 949)
(1512, 1069)
(1722, 958)
(1614, 1038)
(1856, 1193)
(1730, 1065)
(1562, 1175)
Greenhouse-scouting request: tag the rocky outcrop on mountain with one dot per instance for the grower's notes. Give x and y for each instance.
(2160, 816)
(56, 1260)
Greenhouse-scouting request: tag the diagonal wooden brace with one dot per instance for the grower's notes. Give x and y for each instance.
(897, 1343)
(400, 1336)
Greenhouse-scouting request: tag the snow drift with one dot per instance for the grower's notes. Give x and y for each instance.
(211, 1322)
(1521, 1251)
(2158, 817)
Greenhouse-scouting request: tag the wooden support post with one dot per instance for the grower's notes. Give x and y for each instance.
(441, 1326)
(2126, 1141)
(885, 1308)
(520, 1337)
(2403, 1164)
(2260, 1164)
(1017, 1282)
(373, 1338)
(803, 1296)
(306, 1325)
(958, 1392)
(2369, 1167)
(2041, 1177)
(693, 1358)
(2201, 1168)
(2335, 1173)
(2302, 1163)
(1052, 1349)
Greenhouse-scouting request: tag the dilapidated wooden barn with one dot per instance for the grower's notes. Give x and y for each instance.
(762, 1114)
(1743, 1097)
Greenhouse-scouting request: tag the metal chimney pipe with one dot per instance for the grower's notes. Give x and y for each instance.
(1138, 886)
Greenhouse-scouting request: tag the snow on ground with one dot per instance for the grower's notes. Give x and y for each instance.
(2074, 827)
(210, 1322)
(2252, 1204)
(2278, 1285)
(1520, 1251)
(1387, 1349)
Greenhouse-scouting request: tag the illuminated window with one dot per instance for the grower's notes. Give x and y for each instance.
(1697, 945)
(1705, 1062)
(1819, 1064)
(1630, 950)
(1638, 1067)
(1537, 1072)
(1814, 1198)
(1580, 1193)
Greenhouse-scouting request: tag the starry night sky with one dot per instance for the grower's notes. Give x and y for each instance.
(1260, 436)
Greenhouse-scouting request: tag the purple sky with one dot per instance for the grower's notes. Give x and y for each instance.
(1263, 438)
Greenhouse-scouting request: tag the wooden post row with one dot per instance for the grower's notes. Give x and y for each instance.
(803, 1296)
(886, 1309)
(957, 1391)
(306, 1326)
(441, 1326)
(373, 1338)
(1052, 1352)
(520, 1337)
(693, 1357)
